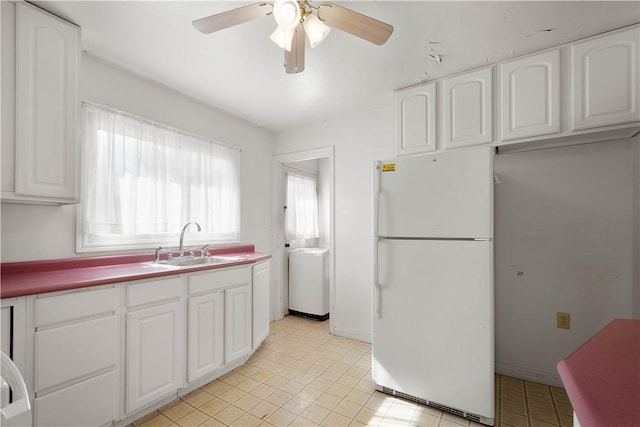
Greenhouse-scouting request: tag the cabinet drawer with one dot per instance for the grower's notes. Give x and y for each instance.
(219, 279)
(155, 291)
(78, 305)
(89, 403)
(74, 351)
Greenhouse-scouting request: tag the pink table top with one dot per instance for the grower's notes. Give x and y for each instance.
(602, 377)
(35, 277)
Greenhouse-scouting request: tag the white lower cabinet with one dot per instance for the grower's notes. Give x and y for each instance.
(261, 302)
(206, 335)
(154, 341)
(237, 334)
(88, 403)
(109, 354)
(76, 358)
(219, 322)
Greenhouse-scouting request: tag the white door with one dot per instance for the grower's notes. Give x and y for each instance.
(206, 335)
(434, 337)
(441, 195)
(261, 302)
(237, 310)
(154, 364)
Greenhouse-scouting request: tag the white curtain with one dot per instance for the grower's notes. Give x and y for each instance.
(302, 208)
(143, 181)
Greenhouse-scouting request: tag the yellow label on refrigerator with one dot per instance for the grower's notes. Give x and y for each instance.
(388, 167)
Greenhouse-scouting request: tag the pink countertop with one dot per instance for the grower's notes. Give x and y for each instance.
(602, 377)
(35, 277)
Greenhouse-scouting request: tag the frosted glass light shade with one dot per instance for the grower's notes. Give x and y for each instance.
(315, 29)
(286, 13)
(283, 37)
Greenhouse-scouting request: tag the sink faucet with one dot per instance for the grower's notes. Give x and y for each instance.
(182, 235)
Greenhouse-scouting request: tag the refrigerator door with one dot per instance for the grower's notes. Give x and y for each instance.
(434, 337)
(441, 195)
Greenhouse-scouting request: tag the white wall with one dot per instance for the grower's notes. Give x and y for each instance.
(45, 232)
(563, 243)
(358, 141)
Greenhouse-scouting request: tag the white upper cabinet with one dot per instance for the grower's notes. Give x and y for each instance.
(416, 119)
(605, 79)
(46, 107)
(468, 106)
(530, 101)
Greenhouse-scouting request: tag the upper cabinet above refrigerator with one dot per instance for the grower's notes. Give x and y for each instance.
(468, 109)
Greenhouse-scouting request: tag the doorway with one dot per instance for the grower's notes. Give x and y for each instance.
(321, 163)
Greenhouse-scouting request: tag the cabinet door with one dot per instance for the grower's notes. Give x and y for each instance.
(237, 334)
(605, 79)
(89, 403)
(531, 96)
(205, 335)
(73, 352)
(416, 119)
(261, 302)
(154, 361)
(468, 103)
(47, 64)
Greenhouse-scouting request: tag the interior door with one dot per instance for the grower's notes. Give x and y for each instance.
(441, 195)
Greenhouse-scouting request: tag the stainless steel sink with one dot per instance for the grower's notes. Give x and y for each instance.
(189, 262)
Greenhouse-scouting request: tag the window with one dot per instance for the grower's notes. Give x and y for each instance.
(143, 181)
(302, 208)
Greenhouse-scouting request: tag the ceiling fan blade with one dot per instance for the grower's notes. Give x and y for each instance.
(294, 60)
(223, 20)
(355, 23)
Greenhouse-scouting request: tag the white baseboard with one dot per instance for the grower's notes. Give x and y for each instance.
(358, 336)
(529, 374)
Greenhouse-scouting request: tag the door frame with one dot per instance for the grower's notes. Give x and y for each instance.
(279, 289)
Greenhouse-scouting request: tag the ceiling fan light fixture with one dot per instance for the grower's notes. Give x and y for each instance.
(315, 29)
(287, 13)
(283, 37)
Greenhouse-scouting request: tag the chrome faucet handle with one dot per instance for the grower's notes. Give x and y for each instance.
(204, 251)
(159, 251)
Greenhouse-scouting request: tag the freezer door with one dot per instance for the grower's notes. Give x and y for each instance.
(446, 195)
(434, 338)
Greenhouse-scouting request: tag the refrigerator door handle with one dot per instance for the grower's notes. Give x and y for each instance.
(376, 239)
(377, 306)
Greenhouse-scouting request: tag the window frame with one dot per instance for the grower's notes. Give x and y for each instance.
(150, 240)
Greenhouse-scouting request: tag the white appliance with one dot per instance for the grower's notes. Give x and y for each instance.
(433, 326)
(309, 282)
(18, 412)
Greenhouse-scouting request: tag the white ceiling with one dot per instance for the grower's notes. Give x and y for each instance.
(239, 70)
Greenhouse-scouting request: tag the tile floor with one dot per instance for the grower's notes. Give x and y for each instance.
(302, 376)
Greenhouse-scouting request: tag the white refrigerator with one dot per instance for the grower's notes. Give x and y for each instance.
(433, 325)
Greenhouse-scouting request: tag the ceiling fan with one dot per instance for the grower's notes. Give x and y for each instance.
(295, 18)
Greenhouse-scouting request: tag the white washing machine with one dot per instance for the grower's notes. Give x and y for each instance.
(309, 282)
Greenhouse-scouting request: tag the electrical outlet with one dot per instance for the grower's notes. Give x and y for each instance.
(563, 320)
